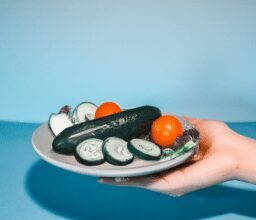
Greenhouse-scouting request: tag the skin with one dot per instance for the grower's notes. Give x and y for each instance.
(223, 155)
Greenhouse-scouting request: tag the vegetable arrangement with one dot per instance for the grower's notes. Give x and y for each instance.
(109, 134)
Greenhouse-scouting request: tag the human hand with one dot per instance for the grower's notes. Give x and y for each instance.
(223, 155)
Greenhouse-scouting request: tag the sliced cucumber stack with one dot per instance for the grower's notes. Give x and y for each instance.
(145, 150)
(116, 152)
(59, 122)
(89, 152)
(85, 111)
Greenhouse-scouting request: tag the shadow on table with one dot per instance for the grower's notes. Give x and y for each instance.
(81, 197)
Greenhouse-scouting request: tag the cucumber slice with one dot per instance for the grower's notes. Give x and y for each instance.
(116, 152)
(59, 122)
(89, 152)
(145, 150)
(83, 112)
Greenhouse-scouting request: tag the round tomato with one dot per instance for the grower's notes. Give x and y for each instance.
(107, 108)
(165, 130)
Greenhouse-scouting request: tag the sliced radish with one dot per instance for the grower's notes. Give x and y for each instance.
(84, 112)
(58, 122)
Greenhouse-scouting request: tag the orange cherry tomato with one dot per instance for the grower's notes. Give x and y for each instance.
(165, 130)
(107, 108)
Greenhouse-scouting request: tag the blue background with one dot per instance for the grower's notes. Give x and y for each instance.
(193, 58)
(189, 57)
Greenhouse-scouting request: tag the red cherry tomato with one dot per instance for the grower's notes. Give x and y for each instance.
(165, 130)
(107, 108)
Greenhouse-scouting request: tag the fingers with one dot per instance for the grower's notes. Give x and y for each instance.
(212, 170)
(199, 175)
(152, 183)
(158, 182)
(142, 182)
(198, 156)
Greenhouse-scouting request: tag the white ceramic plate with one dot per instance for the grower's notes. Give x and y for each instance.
(42, 142)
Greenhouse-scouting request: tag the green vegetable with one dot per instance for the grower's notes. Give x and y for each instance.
(116, 152)
(169, 154)
(189, 145)
(126, 125)
(143, 149)
(89, 152)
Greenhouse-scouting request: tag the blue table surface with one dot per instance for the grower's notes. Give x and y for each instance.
(33, 189)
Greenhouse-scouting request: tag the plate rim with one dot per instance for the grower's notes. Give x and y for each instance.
(124, 172)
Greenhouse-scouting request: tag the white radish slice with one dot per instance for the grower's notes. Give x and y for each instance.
(84, 112)
(59, 122)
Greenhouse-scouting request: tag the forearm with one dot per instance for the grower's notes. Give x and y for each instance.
(246, 157)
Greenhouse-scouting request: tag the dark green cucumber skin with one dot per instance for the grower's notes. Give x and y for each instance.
(113, 161)
(86, 162)
(141, 155)
(126, 125)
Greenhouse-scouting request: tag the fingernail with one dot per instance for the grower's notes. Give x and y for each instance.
(100, 180)
(172, 195)
(121, 179)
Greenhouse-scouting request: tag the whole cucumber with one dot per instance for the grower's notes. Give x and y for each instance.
(127, 125)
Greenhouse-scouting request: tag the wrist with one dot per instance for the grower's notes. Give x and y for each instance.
(246, 158)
